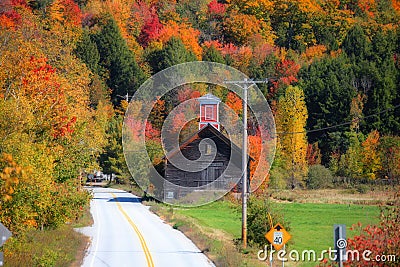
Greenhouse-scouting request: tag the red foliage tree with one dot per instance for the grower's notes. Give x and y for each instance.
(47, 98)
(66, 12)
(286, 72)
(72, 12)
(9, 18)
(152, 133)
(313, 154)
(215, 8)
(151, 29)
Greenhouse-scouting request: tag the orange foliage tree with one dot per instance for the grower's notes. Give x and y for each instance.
(234, 102)
(371, 159)
(185, 32)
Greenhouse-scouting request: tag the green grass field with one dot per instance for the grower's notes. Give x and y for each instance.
(218, 215)
(311, 225)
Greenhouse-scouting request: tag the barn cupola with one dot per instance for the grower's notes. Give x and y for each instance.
(209, 105)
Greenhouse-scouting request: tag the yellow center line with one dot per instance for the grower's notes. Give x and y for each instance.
(146, 251)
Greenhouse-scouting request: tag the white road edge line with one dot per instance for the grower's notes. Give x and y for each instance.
(98, 234)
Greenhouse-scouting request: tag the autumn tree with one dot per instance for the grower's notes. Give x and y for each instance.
(381, 239)
(151, 29)
(331, 24)
(389, 150)
(50, 134)
(350, 162)
(371, 159)
(183, 31)
(157, 114)
(234, 102)
(291, 121)
(239, 27)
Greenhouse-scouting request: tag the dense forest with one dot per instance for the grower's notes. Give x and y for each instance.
(67, 68)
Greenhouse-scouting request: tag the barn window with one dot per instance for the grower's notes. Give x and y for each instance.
(170, 194)
(208, 149)
(209, 110)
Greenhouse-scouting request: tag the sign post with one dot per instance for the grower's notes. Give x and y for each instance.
(340, 243)
(4, 235)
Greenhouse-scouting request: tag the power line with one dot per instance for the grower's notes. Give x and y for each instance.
(340, 124)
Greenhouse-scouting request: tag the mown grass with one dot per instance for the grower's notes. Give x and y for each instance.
(311, 225)
(51, 247)
(221, 215)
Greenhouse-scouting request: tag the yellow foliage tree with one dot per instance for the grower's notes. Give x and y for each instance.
(371, 159)
(291, 120)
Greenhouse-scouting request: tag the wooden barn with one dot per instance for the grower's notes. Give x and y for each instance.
(214, 175)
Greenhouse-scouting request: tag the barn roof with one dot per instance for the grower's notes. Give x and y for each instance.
(214, 131)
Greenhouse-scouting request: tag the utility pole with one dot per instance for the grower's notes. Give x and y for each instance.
(245, 84)
(126, 97)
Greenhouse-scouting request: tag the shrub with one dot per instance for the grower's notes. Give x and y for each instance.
(319, 177)
(381, 239)
(362, 188)
(258, 222)
(278, 178)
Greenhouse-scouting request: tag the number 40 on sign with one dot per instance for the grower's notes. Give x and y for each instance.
(278, 236)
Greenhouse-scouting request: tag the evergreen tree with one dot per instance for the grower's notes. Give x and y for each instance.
(379, 84)
(356, 44)
(173, 52)
(329, 90)
(124, 74)
(86, 50)
(112, 159)
(39, 4)
(213, 55)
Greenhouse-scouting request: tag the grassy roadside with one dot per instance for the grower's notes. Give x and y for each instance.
(218, 243)
(53, 247)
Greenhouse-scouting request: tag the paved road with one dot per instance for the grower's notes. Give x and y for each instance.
(126, 233)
